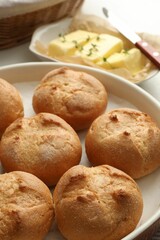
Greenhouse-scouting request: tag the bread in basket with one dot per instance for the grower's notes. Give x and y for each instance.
(19, 18)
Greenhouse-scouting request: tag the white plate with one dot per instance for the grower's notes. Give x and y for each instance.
(46, 33)
(121, 94)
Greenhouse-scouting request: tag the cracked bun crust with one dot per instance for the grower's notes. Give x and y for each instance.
(77, 97)
(126, 139)
(11, 106)
(26, 207)
(44, 145)
(97, 203)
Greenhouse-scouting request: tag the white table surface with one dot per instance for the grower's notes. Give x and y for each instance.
(141, 15)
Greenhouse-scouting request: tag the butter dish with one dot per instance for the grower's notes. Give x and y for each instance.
(45, 34)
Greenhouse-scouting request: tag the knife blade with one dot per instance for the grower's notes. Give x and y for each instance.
(126, 30)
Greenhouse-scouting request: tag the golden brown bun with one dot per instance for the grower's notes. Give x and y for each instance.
(77, 97)
(11, 106)
(97, 203)
(126, 139)
(44, 145)
(26, 207)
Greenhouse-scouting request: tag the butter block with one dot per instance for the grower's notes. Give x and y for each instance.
(131, 60)
(99, 47)
(69, 43)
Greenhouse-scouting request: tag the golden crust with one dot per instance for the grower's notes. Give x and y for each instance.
(44, 145)
(77, 97)
(26, 210)
(11, 106)
(126, 139)
(97, 203)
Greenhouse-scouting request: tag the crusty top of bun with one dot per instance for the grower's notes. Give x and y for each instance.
(75, 96)
(127, 139)
(97, 203)
(26, 210)
(44, 145)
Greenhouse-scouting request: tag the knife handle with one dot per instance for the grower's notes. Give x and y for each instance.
(149, 51)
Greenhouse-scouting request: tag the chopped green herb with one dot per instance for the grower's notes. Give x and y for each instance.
(74, 41)
(90, 52)
(88, 38)
(80, 48)
(62, 37)
(94, 47)
(125, 51)
(98, 38)
(104, 59)
(76, 44)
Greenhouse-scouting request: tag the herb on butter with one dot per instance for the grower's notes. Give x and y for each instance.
(62, 37)
(88, 38)
(94, 47)
(90, 52)
(80, 48)
(125, 51)
(106, 60)
(98, 38)
(76, 44)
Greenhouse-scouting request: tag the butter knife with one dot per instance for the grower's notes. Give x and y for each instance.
(126, 30)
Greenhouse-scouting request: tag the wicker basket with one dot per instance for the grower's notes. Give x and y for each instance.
(18, 29)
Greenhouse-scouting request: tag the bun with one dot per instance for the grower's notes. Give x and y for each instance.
(97, 203)
(77, 97)
(26, 210)
(11, 106)
(44, 145)
(126, 139)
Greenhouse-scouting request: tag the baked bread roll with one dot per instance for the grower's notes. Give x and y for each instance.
(11, 106)
(97, 203)
(126, 139)
(77, 97)
(44, 145)
(26, 210)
